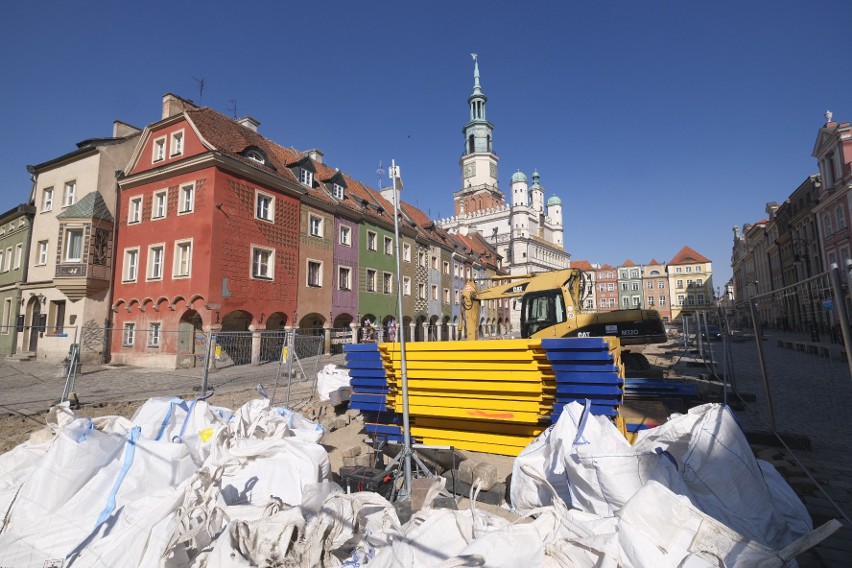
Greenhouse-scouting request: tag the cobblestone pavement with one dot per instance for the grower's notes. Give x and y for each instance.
(810, 396)
(33, 387)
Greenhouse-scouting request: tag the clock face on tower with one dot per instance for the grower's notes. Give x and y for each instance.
(493, 170)
(469, 170)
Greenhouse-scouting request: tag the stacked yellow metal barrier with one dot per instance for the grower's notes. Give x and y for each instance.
(493, 396)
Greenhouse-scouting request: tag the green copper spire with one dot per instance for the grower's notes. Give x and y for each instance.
(477, 90)
(535, 178)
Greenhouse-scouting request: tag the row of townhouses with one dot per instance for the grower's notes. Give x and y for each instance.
(799, 240)
(142, 241)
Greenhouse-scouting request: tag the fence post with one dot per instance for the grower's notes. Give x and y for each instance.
(326, 331)
(206, 372)
(758, 339)
(840, 304)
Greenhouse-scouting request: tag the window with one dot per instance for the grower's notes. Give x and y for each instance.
(131, 265)
(406, 252)
(406, 285)
(446, 295)
(344, 278)
(699, 282)
(264, 206)
(434, 262)
(649, 284)
(337, 190)
(634, 274)
(42, 253)
(602, 286)
(177, 143)
(603, 302)
(624, 286)
(689, 283)
(388, 246)
(701, 299)
(315, 225)
(662, 300)
(129, 335)
(256, 156)
(840, 216)
(19, 251)
(261, 263)
(371, 240)
(70, 193)
(159, 149)
(7, 315)
(446, 267)
(345, 236)
(421, 258)
(612, 302)
(387, 283)
(306, 177)
(637, 301)
(610, 286)
(680, 299)
(457, 294)
(625, 302)
(314, 274)
(2, 258)
(697, 269)
(661, 284)
(690, 300)
(434, 292)
(688, 269)
(183, 259)
(135, 213)
(650, 301)
(154, 334)
(678, 270)
(371, 280)
(680, 283)
(155, 262)
(8, 265)
(421, 291)
(73, 245)
(187, 199)
(47, 200)
(634, 286)
(158, 208)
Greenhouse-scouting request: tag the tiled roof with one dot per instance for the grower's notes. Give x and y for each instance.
(92, 206)
(688, 256)
(582, 265)
(628, 262)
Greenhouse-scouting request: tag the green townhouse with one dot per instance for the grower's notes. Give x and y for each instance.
(15, 228)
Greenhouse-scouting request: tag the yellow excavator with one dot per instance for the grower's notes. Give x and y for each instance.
(550, 307)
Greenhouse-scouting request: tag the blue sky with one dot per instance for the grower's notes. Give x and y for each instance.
(658, 123)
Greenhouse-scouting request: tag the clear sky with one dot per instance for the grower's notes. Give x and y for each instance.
(658, 123)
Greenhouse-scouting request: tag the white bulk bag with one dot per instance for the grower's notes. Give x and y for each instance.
(725, 480)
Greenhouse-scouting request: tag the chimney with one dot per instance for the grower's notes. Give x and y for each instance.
(249, 122)
(316, 155)
(123, 130)
(173, 104)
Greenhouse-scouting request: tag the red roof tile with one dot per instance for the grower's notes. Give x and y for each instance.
(688, 256)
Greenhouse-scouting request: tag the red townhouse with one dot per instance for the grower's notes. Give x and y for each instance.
(208, 236)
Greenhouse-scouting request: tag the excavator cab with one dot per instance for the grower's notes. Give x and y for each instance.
(541, 310)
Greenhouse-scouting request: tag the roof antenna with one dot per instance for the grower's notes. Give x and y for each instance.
(380, 172)
(200, 88)
(233, 107)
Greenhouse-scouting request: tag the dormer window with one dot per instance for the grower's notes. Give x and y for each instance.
(306, 177)
(337, 190)
(256, 156)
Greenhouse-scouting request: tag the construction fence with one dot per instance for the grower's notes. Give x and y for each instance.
(786, 354)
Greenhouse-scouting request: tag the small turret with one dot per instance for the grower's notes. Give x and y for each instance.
(520, 193)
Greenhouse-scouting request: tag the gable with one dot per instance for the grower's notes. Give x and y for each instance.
(170, 141)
